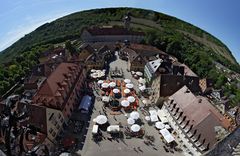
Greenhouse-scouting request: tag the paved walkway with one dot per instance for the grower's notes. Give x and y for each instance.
(123, 147)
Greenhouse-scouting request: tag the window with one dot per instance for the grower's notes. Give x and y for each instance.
(54, 134)
(50, 130)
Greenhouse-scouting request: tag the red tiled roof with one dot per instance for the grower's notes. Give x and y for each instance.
(50, 86)
(96, 31)
(146, 49)
(201, 114)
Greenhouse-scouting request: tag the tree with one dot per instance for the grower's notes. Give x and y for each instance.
(70, 47)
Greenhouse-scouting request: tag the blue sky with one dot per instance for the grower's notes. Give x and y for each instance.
(218, 17)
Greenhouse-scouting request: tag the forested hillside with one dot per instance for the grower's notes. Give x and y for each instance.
(191, 45)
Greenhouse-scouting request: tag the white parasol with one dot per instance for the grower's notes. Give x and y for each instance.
(145, 101)
(131, 99)
(129, 85)
(130, 121)
(135, 115)
(127, 81)
(116, 91)
(100, 81)
(101, 119)
(135, 128)
(147, 118)
(125, 103)
(159, 125)
(126, 91)
(93, 70)
(112, 84)
(139, 73)
(105, 85)
(132, 72)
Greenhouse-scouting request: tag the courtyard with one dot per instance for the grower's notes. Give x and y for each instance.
(145, 141)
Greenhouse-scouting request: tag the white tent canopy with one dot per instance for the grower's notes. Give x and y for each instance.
(125, 103)
(129, 85)
(112, 84)
(131, 99)
(127, 81)
(153, 112)
(134, 115)
(153, 118)
(130, 121)
(101, 119)
(162, 116)
(159, 125)
(135, 128)
(167, 135)
(95, 129)
(115, 91)
(126, 91)
(105, 85)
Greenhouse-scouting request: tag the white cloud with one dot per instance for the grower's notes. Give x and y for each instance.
(30, 25)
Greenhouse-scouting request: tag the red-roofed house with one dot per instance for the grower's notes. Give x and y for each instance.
(197, 122)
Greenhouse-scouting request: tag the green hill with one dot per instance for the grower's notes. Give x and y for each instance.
(190, 44)
(69, 27)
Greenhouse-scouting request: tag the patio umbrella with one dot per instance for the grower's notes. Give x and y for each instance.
(130, 121)
(129, 85)
(141, 80)
(112, 84)
(127, 81)
(101, 119)
(139, 73)
(93, 70)
(115, 91)
(105, 85)
(125, 103)
(147, 118)
(135, 128)
(159, 125)
(131, 99)
(100, 81)
(126, 91)
(132, 72)
(145, 101)
(135, 115)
